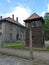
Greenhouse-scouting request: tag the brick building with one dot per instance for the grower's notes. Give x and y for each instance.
(11, 30)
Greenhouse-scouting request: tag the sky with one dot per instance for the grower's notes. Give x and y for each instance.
(23, 8)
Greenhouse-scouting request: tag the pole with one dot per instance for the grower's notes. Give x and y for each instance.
(31, 52)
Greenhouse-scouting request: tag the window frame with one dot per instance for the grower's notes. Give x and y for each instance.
(10, 36)
(10, 26)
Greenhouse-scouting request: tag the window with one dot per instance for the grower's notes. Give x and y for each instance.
(26, 24)
(0, 25)
(17, 29)
(38, 23)
(17, 37)
(10, 26)
(22, 29)
(33, 24)
(10, 36)
(20, 36)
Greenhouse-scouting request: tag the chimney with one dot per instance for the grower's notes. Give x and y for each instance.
(16, 19)
(0, 17)
(13, 16)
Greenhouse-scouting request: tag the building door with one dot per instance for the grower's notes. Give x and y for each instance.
(17, 37)
(10, 36)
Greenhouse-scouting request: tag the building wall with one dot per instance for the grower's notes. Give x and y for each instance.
(0, 32)
(37, 37)
(13, 31)
(37, 34)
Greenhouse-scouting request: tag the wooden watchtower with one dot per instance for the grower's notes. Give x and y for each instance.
(36, 23)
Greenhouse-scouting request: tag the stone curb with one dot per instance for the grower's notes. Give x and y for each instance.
(16, 52)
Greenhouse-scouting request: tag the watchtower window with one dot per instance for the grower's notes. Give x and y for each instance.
(33, 24)
(26, 24)
(38, 23)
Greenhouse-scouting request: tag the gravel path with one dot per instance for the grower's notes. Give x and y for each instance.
(41, 58)
(9, 60)
(46, 43)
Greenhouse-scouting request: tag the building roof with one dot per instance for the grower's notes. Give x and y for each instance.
(8, 19)
(33, 17)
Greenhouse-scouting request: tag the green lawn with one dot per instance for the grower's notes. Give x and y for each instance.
(19, 45)
(41, 49)
(13, 45)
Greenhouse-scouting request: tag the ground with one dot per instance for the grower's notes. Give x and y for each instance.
(46, 43)
(9, 60)
(39, 58)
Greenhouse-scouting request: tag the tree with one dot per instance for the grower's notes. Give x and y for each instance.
(46, 26)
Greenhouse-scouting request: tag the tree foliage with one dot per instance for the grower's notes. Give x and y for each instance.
(46, 28)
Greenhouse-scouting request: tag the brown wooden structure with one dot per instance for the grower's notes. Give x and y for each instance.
(36, 23)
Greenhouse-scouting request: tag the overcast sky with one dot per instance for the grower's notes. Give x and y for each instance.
(23, 8)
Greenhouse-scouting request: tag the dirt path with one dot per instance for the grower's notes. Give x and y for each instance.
(41, 58)
(46, 43)
(10, 60)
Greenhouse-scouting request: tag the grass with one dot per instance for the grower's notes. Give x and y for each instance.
(41, 49)
(37, 49)
(13, 45)
(18, 45)
(47, 49)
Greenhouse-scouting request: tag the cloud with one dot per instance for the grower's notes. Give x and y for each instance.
(43, 13)
(21, 12)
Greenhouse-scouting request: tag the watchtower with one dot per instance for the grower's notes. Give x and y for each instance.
(36, 22)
